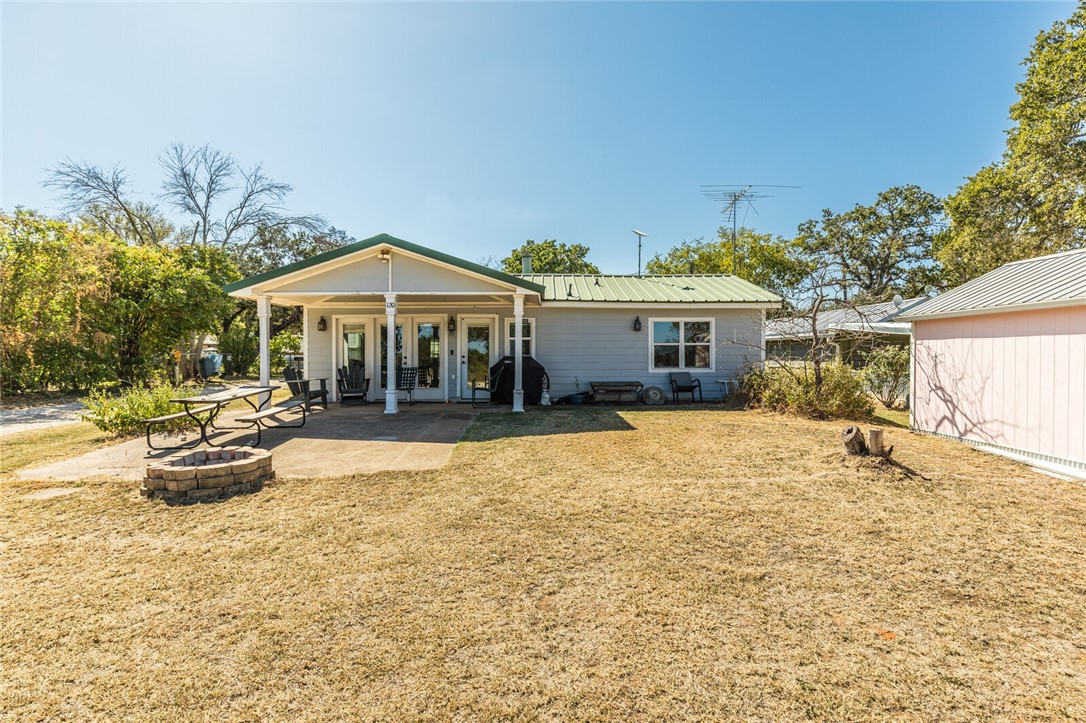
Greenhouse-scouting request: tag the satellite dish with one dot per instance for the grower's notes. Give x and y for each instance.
(898, 301)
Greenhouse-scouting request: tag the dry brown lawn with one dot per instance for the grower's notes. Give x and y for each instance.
(39, 447)
(582, 564)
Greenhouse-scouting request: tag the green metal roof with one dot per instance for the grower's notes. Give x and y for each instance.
(690, 289)
(383, 240)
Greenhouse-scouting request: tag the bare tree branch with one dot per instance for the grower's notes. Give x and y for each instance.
(199, 182)
(102, 195)
(195, 179)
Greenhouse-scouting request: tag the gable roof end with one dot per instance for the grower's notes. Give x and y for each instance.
(381, 240)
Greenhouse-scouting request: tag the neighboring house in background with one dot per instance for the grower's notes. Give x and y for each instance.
(454, 319)
(849, 333)
(1001, 361)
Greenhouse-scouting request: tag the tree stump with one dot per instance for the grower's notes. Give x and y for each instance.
(874, 443)
(853, 439)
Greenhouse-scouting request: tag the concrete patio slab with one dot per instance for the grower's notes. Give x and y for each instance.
(334, 442)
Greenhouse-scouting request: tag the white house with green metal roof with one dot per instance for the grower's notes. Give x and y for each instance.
(454, 319)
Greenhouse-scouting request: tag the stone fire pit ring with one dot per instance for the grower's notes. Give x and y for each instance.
(207, 474)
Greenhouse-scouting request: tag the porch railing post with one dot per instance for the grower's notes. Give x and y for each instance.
(518, 353)
(391, 382)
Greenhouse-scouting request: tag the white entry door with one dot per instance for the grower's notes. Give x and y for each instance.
(478, 351)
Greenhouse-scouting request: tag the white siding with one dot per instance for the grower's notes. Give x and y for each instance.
(578, 346)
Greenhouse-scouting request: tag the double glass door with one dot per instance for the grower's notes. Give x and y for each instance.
(423, 348)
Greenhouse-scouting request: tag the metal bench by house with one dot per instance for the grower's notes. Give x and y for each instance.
(618, 388)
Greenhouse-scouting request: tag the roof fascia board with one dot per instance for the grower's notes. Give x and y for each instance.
(662, 304)
(382, 294)
(370, 305)
(1035, 306)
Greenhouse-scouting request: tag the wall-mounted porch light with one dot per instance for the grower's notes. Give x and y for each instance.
(452, 324)
(637, 323)
(384, 255)
(322, 325)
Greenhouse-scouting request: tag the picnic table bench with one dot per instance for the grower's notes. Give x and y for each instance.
(155, 421)
(618, 388)
(212, 404)
(257, 418)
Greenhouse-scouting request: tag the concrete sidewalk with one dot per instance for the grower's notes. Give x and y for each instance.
(39, 417)
(334, 442)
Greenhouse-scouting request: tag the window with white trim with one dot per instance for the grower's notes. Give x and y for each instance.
(527, 331)
(681, 344)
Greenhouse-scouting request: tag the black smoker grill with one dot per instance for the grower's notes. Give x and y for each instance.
(502, 373)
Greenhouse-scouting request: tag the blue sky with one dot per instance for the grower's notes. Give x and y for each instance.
(472, 127)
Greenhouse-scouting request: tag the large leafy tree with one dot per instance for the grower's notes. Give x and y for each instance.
(878, 250)
(218, 203)
(550, 257)
(81, 306)
(158, 295)
(53, 283)
(1033, 201)
(774, 263)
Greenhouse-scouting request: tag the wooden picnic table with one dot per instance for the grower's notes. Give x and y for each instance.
(213, 403)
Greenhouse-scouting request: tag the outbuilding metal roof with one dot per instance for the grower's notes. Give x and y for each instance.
(1046, 281)
(693, 288)
(881, 318)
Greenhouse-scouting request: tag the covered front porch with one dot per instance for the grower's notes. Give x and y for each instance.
(450, 319)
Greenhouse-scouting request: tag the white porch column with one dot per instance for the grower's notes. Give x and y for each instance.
(263, 316)
(391, 402)
(518, 353)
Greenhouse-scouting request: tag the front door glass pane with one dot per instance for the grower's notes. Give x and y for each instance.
(429, 356)
(354, 346)
(478, 355)
(384, 351)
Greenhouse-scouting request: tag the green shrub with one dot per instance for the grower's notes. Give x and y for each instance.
(792, 390)
(887, 374)
(240, 347)
(280, 345)
(121, 413)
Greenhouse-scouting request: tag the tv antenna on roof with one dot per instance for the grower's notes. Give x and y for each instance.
(734, 196)
(640, 235)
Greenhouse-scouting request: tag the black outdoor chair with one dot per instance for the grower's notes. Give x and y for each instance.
(407, 379)
(352, 384)
(683, 382)
(302, 388)
(494, 378)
